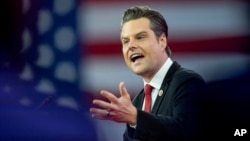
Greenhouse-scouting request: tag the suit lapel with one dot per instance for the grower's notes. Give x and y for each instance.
(163, 90)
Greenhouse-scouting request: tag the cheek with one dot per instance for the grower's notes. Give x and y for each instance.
(124, 53)
(125, 56)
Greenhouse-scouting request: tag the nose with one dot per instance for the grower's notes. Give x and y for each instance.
(132, 44)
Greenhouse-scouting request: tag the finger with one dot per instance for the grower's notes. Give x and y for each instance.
(99, 113)
(123, 90)
(102, 104)
(111, 97)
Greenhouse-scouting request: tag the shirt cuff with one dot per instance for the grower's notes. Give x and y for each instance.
(132, 126)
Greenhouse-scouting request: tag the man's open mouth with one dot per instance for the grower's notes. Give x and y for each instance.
(136, 56)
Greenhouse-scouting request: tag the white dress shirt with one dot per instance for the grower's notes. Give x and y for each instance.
(157, 80)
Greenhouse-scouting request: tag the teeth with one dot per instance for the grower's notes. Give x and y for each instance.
(135, 56)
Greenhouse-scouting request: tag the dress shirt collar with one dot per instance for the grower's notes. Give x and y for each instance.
(159, 76)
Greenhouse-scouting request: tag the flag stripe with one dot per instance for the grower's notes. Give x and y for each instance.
(237, 44)
(186, 22)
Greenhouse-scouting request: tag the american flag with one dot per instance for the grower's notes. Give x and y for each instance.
(58, 52)
(40, 94)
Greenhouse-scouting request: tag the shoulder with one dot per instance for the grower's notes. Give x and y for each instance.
(184, 74)
(187, 73)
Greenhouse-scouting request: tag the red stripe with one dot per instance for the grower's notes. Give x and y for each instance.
(218, 45)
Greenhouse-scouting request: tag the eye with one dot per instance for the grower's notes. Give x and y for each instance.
(124, 42)
(141, 37)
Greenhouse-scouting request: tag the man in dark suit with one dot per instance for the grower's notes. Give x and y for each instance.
(174, 102)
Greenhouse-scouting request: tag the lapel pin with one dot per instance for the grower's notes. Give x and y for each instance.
(160, 93)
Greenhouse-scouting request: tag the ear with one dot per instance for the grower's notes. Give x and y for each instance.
(163, 41)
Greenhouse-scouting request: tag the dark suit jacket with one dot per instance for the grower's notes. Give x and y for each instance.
(175, 114)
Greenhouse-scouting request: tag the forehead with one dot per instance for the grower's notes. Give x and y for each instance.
(135, 26)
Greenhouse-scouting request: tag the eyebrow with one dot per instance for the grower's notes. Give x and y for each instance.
(137, 34)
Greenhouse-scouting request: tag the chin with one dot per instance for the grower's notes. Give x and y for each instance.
(137, 72)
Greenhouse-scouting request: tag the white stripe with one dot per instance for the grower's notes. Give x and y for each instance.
(199, 20)
(106, 72)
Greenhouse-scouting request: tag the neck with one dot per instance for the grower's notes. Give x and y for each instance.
(147, 78)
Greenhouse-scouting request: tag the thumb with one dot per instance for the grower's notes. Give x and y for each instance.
(123, 90)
